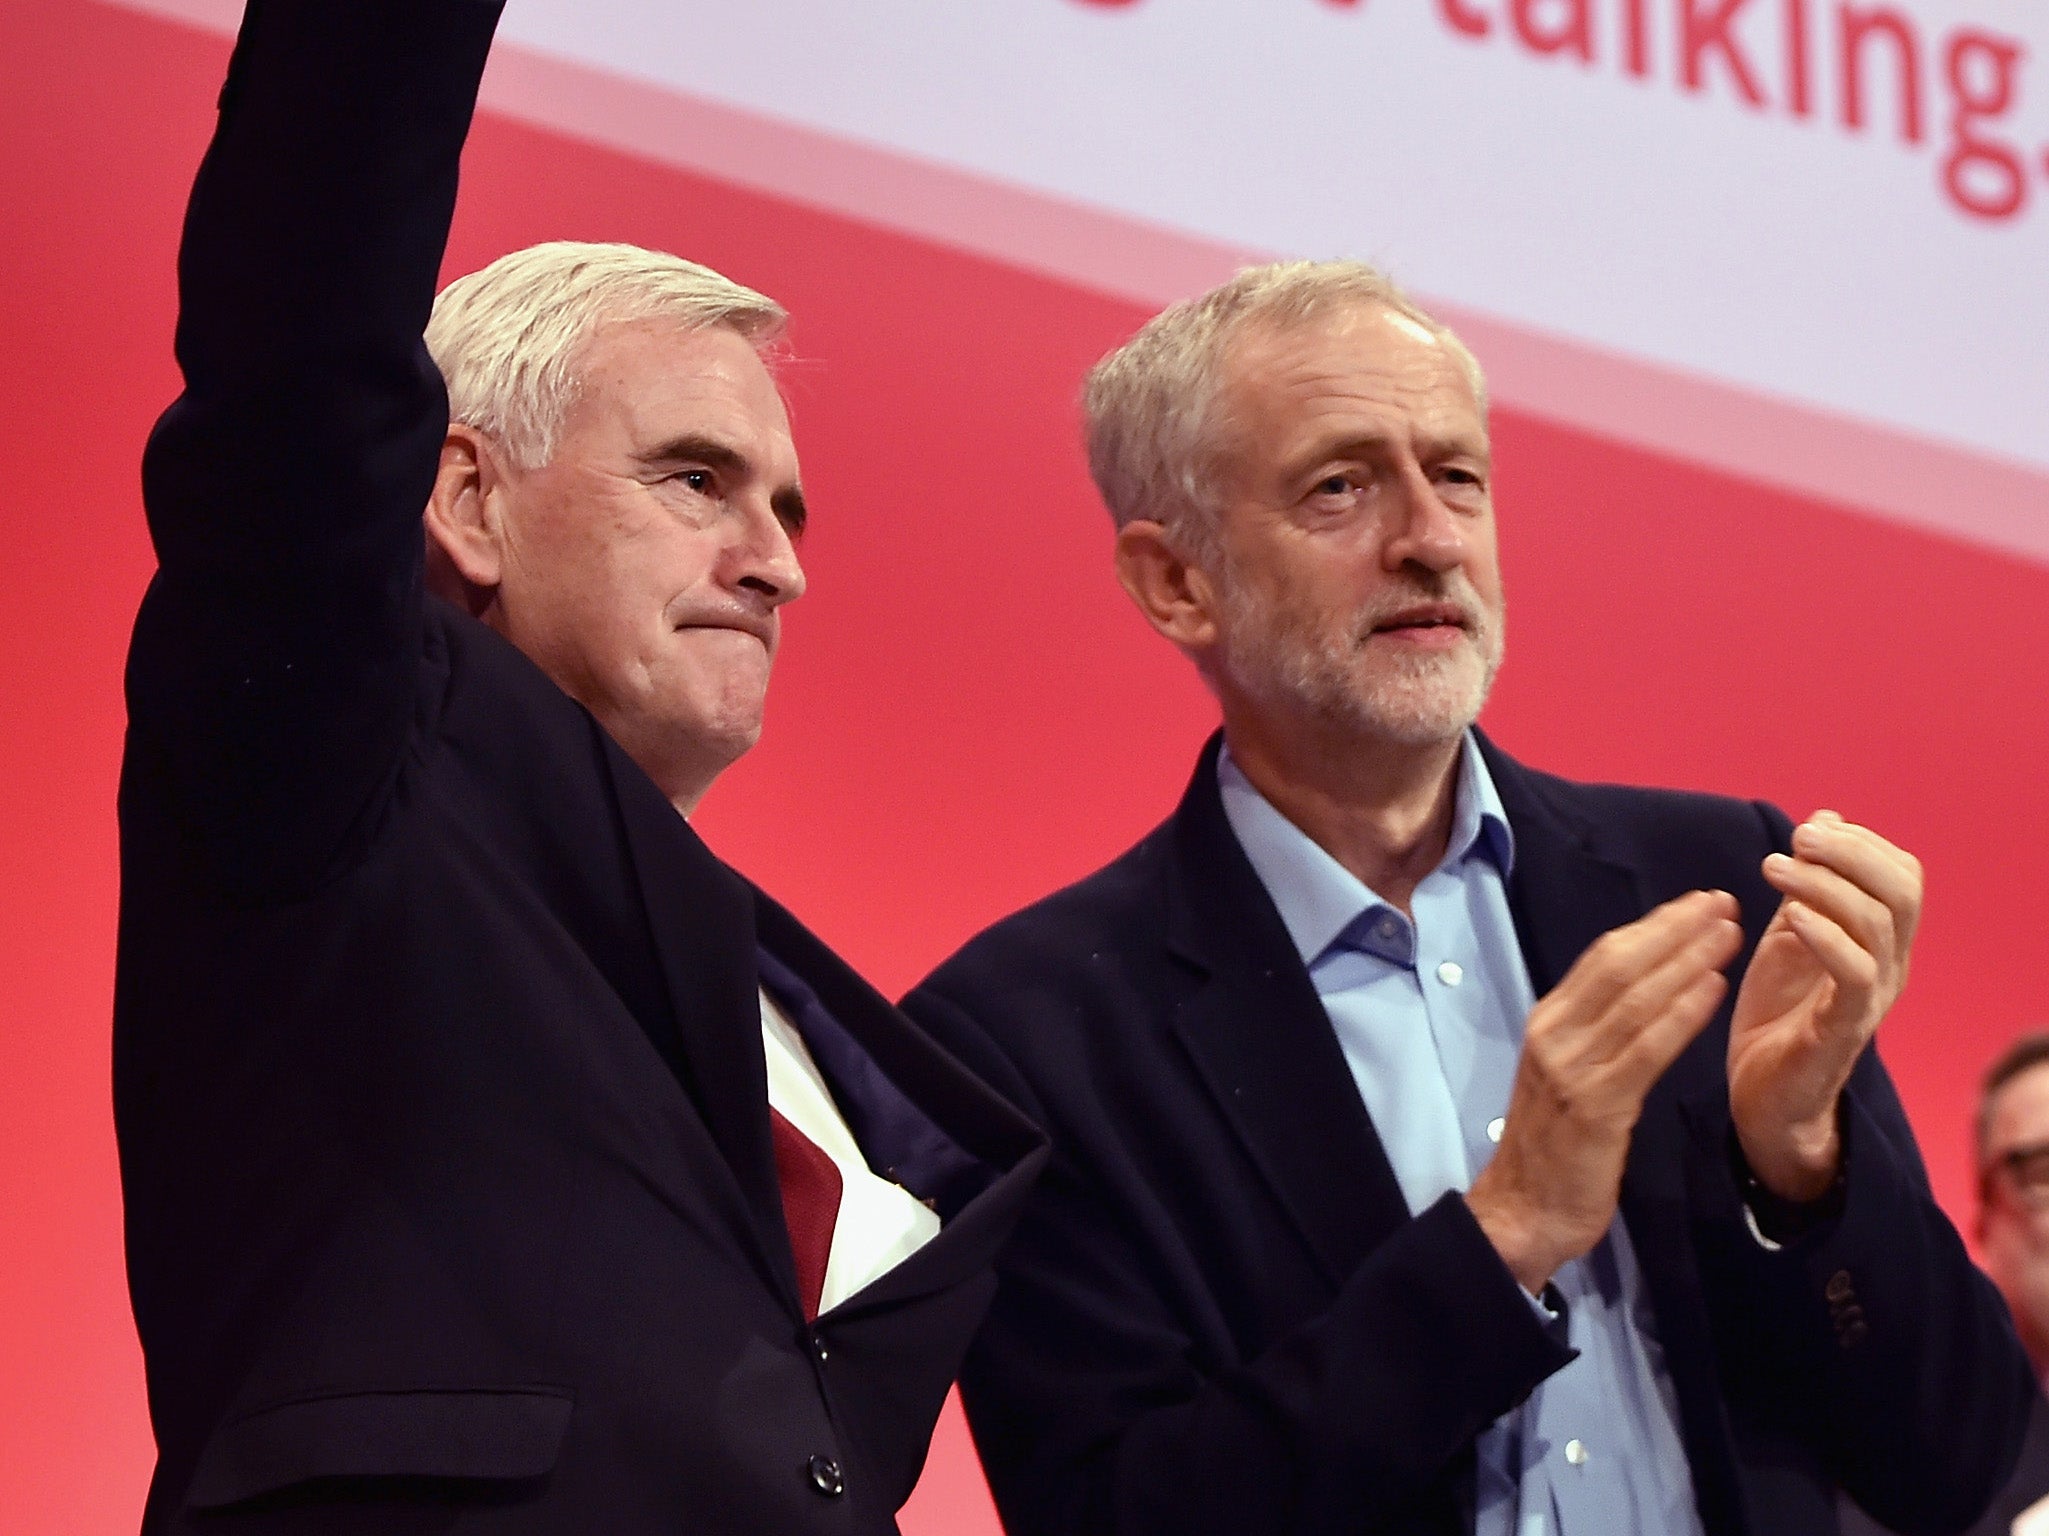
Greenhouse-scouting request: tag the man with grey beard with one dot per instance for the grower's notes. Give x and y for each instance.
(1441, 1146)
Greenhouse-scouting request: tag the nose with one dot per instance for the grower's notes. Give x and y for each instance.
(764, 558)
(1428, 532)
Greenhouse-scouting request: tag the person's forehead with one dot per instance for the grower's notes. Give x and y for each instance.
(2020, 1109)
(1361, 356)
(660, 376)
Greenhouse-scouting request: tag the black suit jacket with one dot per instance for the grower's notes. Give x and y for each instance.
(1219, 1315)
(2028, 1486)
(438, 1070)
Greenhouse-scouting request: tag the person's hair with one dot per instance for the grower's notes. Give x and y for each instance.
(1150, 407)
(2024, 1055)
(507, 338)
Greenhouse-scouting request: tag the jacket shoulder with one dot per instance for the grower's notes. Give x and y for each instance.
(1068, 957)
(1654, 829)
(1119, 902)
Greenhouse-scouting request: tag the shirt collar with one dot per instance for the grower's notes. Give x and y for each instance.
(1317, 897)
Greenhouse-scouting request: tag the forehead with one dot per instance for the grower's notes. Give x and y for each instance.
(1359, 367)
(2020, 1110)
(650, 380)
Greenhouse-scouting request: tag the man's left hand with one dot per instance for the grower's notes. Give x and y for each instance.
(1825, 972)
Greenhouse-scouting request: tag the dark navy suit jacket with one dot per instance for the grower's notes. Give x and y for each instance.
(2028, 1486)
(438, 1069)
(1219, 1316)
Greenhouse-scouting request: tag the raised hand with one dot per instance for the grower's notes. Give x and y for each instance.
(1827, 969)
(1592, 1050)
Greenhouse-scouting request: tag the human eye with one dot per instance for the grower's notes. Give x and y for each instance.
(1462, 482)
(1334, 490)
(696, 478)
(2031, 1170)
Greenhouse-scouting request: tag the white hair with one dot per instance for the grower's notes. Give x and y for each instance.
(507, 337)
(1150, 406)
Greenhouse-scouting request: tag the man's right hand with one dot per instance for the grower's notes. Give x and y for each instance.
(1591, 1052)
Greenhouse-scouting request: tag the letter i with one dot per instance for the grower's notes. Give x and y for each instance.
(1636, 38)
(1798, 99)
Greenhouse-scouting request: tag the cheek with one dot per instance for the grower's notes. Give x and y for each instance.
(569, 560)
(624, 588)
(604, 620)
(1485, 576)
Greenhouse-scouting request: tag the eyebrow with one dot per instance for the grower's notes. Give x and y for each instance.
(788, 504)
(1360, 445)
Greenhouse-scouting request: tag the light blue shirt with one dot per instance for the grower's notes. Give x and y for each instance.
(1429, 1011)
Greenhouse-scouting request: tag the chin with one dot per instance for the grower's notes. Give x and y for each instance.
(1416, 728)
(1412, 702)
(1427, 707)
(714, 732)
(729, 738)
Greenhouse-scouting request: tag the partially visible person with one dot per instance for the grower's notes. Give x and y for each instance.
(2013, 1238)
(2013, 1188)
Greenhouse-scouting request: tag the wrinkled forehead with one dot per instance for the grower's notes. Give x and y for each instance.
(1275, 371)
(649, 371)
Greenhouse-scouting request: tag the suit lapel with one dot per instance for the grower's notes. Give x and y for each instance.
(1262, 1043)
(1562, 894)
(1565, 894)
(935, 1086)
(701, 917)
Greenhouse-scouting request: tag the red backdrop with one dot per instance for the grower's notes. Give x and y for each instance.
(965, 715)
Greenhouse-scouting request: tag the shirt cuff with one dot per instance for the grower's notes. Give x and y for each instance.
(1775, 1222)
(1549, 1305)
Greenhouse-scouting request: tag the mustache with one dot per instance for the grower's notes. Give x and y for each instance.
(1449, 600)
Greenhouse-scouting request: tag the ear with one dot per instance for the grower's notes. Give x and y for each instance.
(465, 543)
(1177, 597)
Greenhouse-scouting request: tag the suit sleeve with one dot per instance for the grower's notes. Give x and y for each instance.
(272, 674)
(1102, 1401)
(1874, 1338)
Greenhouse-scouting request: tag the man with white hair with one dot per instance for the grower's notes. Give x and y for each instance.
(494, 1157)
(1416, 1169)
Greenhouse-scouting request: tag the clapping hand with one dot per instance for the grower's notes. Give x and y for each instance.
(1591, 1051)
(1826, 971)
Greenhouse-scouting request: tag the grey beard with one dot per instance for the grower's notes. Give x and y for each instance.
(1427, 701)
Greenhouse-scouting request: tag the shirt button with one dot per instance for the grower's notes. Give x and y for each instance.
(1451, 973)
(1576, 1452)
(1495, 1127)
(826, 1478)
(1385, 928)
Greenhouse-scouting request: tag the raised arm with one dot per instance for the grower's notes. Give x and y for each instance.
(272, 675)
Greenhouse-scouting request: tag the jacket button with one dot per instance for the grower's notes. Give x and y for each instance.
(819, 1351)
(826, 1477)
(1839, 1287)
